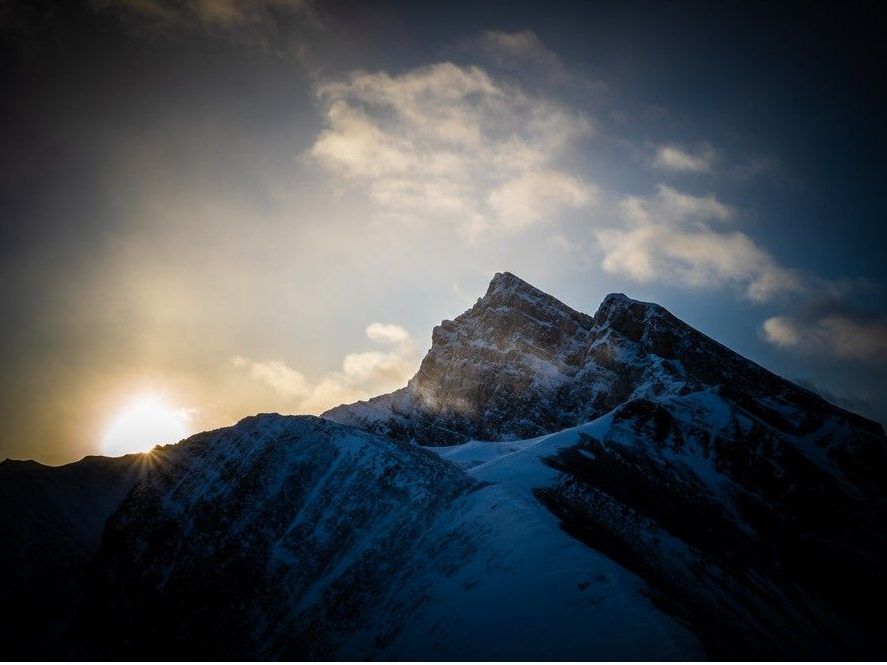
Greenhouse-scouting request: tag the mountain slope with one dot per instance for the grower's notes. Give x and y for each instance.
(297, 538)
(754, 509)
(749, 541)
(51, 520)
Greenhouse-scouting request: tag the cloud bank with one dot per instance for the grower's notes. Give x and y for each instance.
(834, 335)
(680, 238)
(451, 144)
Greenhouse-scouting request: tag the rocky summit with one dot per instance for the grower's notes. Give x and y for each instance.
(520, 364)
(550, 485)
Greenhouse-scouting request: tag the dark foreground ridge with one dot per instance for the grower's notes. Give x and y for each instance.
(618, 486)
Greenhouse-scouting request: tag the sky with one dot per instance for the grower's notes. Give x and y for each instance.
(238, 207)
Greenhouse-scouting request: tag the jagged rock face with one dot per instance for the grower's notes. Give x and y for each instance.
(490, 374)
(521, 364)
(504, 356)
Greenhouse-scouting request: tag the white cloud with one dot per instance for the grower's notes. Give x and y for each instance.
(673, 157)
(832, 335)
(362, 374)
(286, 381)
(670, 236)
(674, 208)
(387, 332)
(538, 196)
(451, 144)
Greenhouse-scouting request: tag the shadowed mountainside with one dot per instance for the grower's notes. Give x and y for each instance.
(51, 520)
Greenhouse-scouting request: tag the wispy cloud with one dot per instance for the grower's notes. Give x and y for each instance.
(835, 335)
(452, 144)
(859, 403)
(363, 374)
(672, 157)
(216, 13)
(759, 166)
(672, 207)
(273, 25)
(678, 237)
(389, 333)
(536, 196)
(286, 381)
(519, 51)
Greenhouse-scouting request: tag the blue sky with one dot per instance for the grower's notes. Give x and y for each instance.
(267, 206)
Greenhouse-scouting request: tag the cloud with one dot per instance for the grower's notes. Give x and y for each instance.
(759, 166)
(286, 381)
(451, 144)
(671, 207)
(362, 374)
(857, 403)
(673, 157)
(519, 51)
(387, 332)
(670, 236)
(271, 24)
(214, 13)
(835, 335)
(536, 196)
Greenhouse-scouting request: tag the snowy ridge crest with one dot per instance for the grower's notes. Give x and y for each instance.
(520, 363)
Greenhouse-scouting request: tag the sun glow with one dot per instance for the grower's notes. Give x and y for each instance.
(144, 423)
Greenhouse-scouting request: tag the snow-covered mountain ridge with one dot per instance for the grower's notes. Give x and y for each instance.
(738, 534)
(299, 538)
(615, 486)
(753, 508)
(520, 364)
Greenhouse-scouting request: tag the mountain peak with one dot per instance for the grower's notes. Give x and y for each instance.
(509, 281)
(521, 363)
(508, 286)
(507, 291)
(627, 315)
(612, 299)
(495, 370)
(619, 301)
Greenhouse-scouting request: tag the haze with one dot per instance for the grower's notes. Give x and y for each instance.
(266, 206)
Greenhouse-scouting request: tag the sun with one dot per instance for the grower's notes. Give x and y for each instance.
(142, 424)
